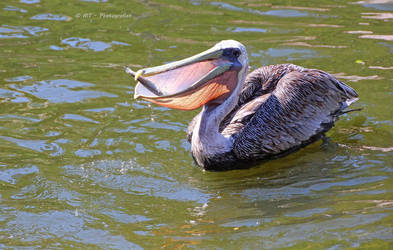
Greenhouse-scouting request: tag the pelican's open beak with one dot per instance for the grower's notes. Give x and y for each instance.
(189, 83)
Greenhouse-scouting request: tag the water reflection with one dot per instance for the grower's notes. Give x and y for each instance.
(286, 13)
(11, 175)
(7, 31)
(358, 32)
(377, 4)
(276, 55)
(293, 233)
(36, 145)
(96, 1)
(260, 30)
(78, 118)
(378, 37)
(239, 29)
(13, 8)
(64, 224)
(308, 212)
(30, 1)
(12, 96)
(87, 152)
(18, 79)
(15, 118)
(278, 13)
(304, 44)
(86, 43)
(51, 17)
(132, 178)
(99, 110)
(355, 78)
(122, 217)
(62, 91)
(380, 16)
(57, 48)
(381, 67)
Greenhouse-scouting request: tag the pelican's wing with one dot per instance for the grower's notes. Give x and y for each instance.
(256, 89)
(264, 80)
(302, 105)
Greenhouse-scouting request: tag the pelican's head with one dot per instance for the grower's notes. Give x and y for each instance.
(210, 76)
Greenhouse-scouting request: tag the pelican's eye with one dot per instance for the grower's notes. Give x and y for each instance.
(232, 52)
(236, 52)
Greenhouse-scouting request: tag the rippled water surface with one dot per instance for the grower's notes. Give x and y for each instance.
(82, 164)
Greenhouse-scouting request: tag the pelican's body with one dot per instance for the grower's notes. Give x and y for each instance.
(272, 111)
(280, 108)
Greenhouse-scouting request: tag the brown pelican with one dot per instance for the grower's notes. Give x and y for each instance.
(270, 112)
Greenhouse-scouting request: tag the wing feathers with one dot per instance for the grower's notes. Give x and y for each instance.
(303, 104)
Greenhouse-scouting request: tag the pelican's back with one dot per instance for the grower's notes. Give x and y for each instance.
(290, 107)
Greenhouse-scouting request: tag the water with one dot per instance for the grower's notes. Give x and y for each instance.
(84, 165)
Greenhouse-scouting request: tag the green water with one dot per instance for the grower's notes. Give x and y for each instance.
(83, 165)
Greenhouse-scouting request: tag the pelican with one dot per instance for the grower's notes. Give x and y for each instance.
(245, 118)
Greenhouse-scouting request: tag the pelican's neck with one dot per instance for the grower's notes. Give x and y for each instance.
(207, 142)
(208, 145)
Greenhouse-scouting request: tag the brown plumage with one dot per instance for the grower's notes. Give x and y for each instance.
(281, 108)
